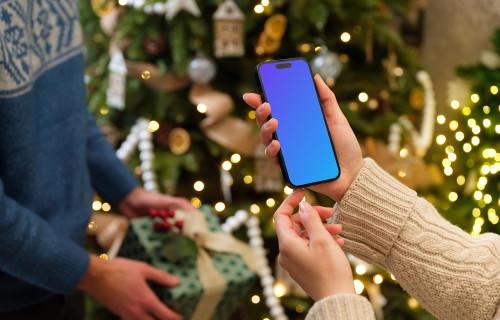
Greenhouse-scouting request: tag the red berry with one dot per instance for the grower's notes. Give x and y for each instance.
(170, 213)
(162, 213)
(166, 225)
(157, 226)
(153, 212)
(179, 224)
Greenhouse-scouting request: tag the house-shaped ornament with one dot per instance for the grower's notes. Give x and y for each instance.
(228, 22)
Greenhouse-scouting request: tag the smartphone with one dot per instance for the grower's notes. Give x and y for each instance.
(307, 155)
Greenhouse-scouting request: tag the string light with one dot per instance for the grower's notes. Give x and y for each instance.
(460, 180)
(455, 104)
(202, 108)
(247, 179)
(360, 269)
(220, 206)
(478, 195)
(485, 169)
(345, 37)
(497, 128)
(259, 8)
(413, 303)
(255, 209)
(441, 119)
(251, 114)
(96, 205)
(153, 126)
(146, 74)
(486, 109)
(403, 153)
(363, 97)
(466, 111)
(104, 110)
(226, 165)
(358, 286)
(471, 122)
(467, 147)
(448, 171)
(106, 207)
(378, 279)
(459, 136)
(446, 163)
(392, 277)
(279, 290)
(196, 202)
(265, 3)
(486, 123)
(476, 129)
(475, 141)
(494, 90)
(122, 2)
(452, 157)
(235, 158)
(270, 202)
(474, 97)
(476, 212)
(287, 190)
(299, 308)
(453, 125)
(255, 299)
(198, 186)
(449, 149)
(305, 47)
(440, 139)
(487, 198)
(104, 256)
(453, 196)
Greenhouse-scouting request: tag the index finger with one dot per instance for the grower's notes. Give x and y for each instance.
(252, 99)
(283, 216)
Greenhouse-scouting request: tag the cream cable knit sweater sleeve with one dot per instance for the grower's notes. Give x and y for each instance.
(452, 274)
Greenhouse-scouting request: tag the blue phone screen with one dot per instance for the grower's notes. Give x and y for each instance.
(302, 132)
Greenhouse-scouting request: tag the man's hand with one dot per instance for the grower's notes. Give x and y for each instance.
(345, 142)
(311, 256)
(139, 201)
(120, 285)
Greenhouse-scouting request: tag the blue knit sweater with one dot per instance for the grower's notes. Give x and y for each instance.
(51, 153)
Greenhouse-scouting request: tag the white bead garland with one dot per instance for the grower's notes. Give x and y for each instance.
(141, 138)
(423, 139)
(267, 280)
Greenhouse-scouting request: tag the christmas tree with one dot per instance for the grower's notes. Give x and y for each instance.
(184, 65)
(470, 141)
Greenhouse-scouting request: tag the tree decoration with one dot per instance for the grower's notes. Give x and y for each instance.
(154, 45)
(228, 23)
(201, 69)
(270, 38)
(102, 7)
(115, 95)
(179, 141)
(327, 64)
(174, 6)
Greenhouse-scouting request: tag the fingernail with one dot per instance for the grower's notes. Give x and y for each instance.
(244, 96)
(267, 125)
(303, 207)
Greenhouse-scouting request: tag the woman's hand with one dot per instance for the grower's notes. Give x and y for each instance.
(311, 256)
(345, 143)
(138, 202)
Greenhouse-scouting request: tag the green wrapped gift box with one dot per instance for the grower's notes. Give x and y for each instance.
(142, 243)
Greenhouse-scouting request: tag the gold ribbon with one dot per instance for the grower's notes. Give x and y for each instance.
(231, 132)
(196, 228)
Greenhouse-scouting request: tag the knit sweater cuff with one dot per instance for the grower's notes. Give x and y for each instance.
(342, 307)
(373, 212)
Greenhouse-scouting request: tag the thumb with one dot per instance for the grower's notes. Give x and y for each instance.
(160, 276)
(311, 221)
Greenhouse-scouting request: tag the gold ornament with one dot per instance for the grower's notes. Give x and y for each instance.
(270, 38)
(102, 7)
(416, 98)
(275, 26)
(179, 141)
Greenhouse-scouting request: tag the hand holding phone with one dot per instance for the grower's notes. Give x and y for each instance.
(346, 145)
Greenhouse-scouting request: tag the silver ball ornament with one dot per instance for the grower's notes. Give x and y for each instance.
(327, 64)
(201, 69)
